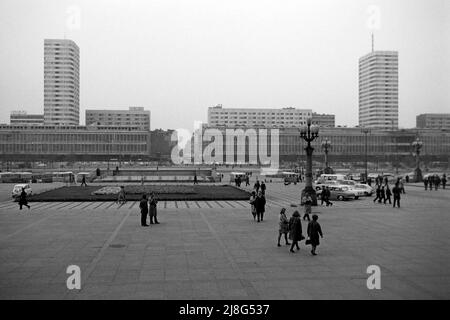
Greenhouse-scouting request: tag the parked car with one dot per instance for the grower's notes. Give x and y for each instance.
(320, 182)
(17, 190)
(339, 192)
(352, 185)
(366, 189)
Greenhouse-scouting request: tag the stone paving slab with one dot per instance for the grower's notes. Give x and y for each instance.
(214, 250)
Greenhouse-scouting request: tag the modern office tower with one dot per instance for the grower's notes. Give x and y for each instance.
(378, 90)
(284, 117)
(23, 118)
(61, 82)
(133, 117)
(433, 121)
(323, 120)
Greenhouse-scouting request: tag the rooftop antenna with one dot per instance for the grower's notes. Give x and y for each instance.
(373, 42)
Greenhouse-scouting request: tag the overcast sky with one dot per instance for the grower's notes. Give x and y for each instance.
(177, 58)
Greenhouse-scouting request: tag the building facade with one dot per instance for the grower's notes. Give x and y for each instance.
(61, 82)
(85, 143)
(323, 120)
(347, 144)
(73, 143)
(23, 118)
(378, 90)
(433, 121)
(134, 116)
(231, 117)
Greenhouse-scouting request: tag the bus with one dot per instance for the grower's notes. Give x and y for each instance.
(67, 177)
(290, 177)
(15, 177)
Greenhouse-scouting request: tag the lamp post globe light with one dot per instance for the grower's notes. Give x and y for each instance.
(326, 145)
(309, 133)
(417, 145)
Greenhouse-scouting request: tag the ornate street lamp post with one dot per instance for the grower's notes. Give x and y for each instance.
(326, 145)
(309, 133)
(365, 131)
(417, 145)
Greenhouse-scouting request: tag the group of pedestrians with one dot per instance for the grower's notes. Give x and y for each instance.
(383, 193)
(149, 207)
(435, 180)
(258, 205)
(325, 196)
(260, 185)
(238, 181)
(293, 227)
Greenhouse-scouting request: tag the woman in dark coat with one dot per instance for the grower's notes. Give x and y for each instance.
(388, 195)
(23, 199)
(260, 205)
(295, 230)
(284, 227)
(252, 203)
(143, 205)
(153, 202)
(314, 231)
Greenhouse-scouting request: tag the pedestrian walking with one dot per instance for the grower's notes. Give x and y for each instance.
(83, 181)
(260, 204)
(252, 203)
(444, 181)
(396, 192)
(308, 203)
(377, 193)
(401, 185)
(430, 182)
(256, 186)
(263, 188)
(328, 193)
(283, 227)
(153, 202)
(314, 231)
(195, 179)
(388, 195)
(295, 230)
(247, 181)
(143, 205)
(437, 182)
(23, 200)
(382, 195)
(121, 199)
(425, 183)
(323, 196)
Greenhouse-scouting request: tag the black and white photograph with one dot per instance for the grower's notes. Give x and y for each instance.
(240, 152)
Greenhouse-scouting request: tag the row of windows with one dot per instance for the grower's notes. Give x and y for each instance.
(72, 148)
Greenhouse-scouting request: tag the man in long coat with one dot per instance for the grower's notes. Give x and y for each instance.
(144, 210)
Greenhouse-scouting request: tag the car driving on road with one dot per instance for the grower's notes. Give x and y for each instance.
(17, 190)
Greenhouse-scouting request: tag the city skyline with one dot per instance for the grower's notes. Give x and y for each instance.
(179, 85)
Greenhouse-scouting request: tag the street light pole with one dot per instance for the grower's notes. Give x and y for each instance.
(309, 133)
(326, 144)
(417, 145)
(365, 131)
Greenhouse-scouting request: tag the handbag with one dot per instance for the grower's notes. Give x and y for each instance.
(302, 238)
(308, 241)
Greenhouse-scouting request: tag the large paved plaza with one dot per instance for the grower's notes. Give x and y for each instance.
(214, 250)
